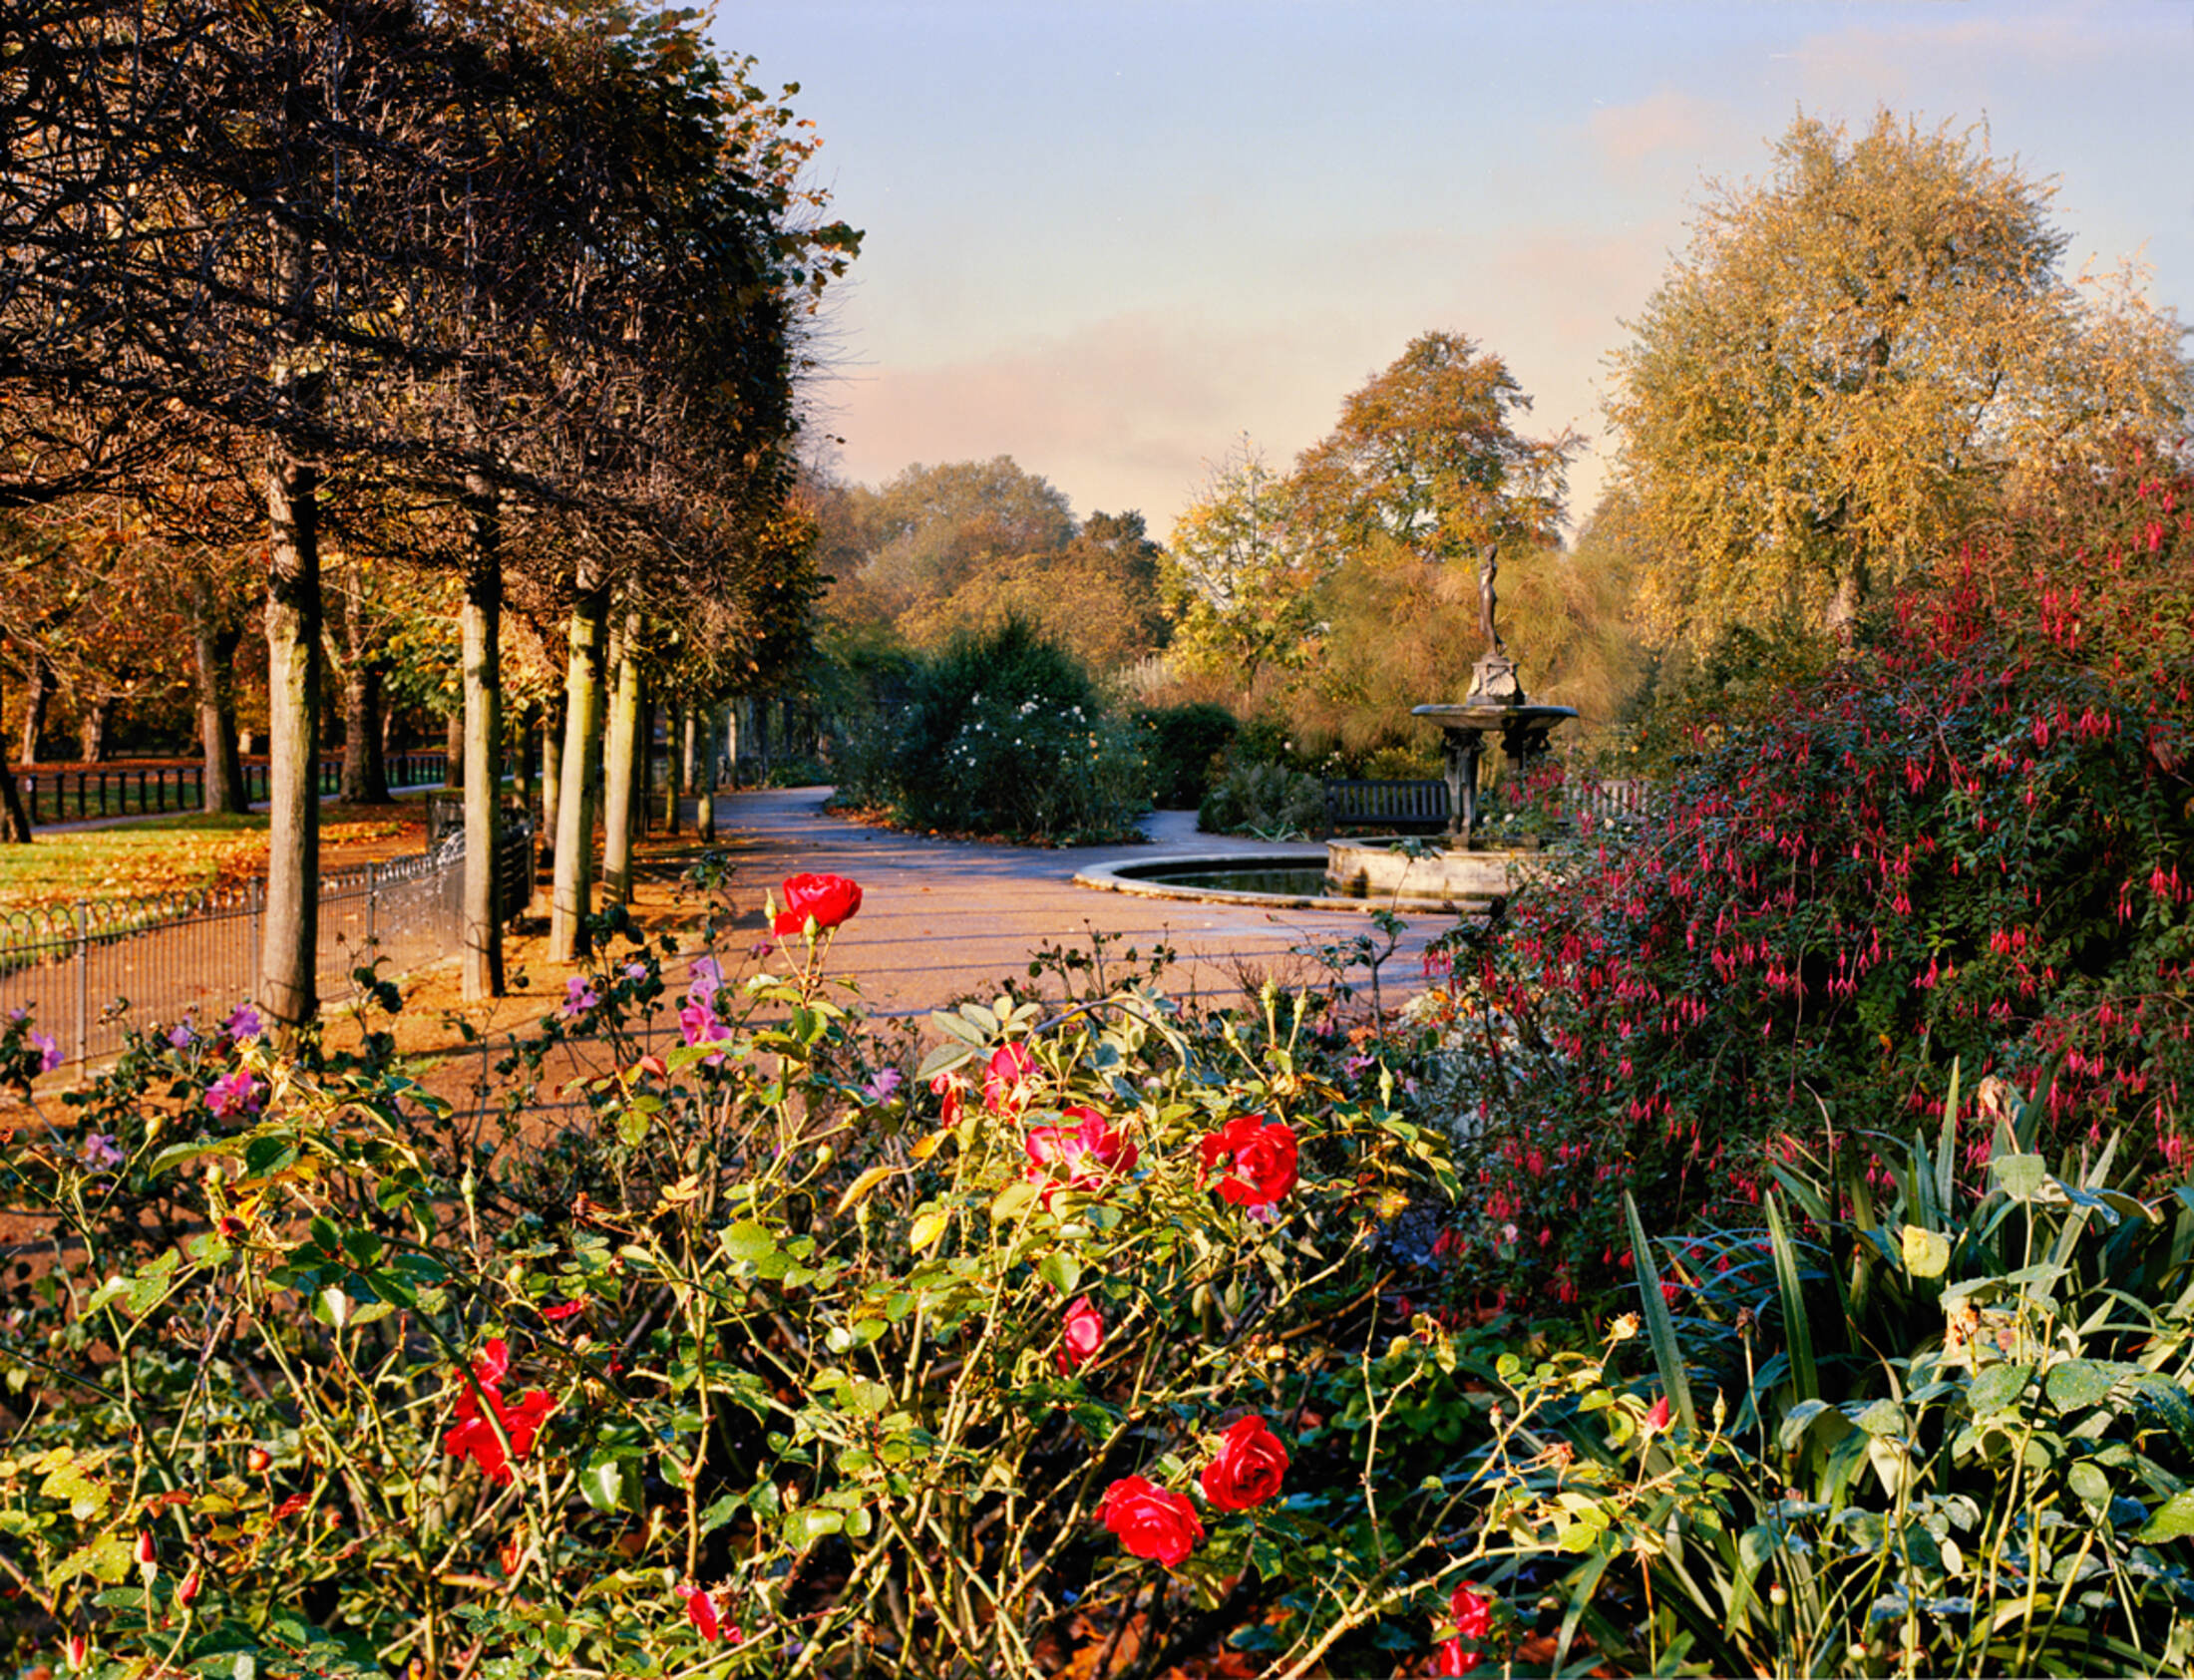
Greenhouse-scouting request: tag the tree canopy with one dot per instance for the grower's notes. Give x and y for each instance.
(1853, 362)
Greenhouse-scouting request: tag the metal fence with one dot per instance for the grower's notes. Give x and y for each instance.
(84, 792)
(87, 972)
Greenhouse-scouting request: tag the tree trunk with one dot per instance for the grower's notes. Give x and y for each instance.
(571, 896)
(483, 784)
(686, 721)
(94, 727)
(37, 699)
(15, 822)
(704, 790)
(552, 770)
(365, 679)
(213, 641)
(453, 747)
(287, 966)
(622, 795)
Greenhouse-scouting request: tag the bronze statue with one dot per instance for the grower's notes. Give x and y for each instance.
(1488, 569)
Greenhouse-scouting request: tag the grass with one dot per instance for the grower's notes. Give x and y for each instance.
(179, 855)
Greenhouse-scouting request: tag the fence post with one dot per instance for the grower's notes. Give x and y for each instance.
(372, 902)
(83, 983)
(254, 896)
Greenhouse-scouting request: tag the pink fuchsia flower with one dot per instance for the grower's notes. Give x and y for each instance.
(1007, 1078)
(1149, 1522)
(1248, 1468)
(826, 900)
(1081, 1157)
(243, 1022)
(1260, 1155)
(704, 979)
(48, 1053)
(179, 1036)
(1081, 1334)
(580, 996)
(236, 1092)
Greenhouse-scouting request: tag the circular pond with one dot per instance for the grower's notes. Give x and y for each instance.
(1276, 881)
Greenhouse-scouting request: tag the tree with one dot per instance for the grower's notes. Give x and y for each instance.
(1427, 455)
(1239, 583)
(931, 526)
(1853, 362)
(1098, 597)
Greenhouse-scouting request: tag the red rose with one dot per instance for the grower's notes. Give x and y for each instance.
(1149, 1522)
(1006, 1080)
(1656, 1416)
(1472, 1611)
(473, 1437)
(1261, 1156)
(1077, 1157)
(1081, 1334)
(701, 1612)
(947, 1088)
(1248, 1468)
(829, 899)
(1453, 1659)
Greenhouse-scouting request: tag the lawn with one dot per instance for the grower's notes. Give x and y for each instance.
(181, 854)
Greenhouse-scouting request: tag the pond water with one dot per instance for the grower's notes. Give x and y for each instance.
(1307, 882)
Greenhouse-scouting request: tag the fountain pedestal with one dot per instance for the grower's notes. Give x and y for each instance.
(1519, 727)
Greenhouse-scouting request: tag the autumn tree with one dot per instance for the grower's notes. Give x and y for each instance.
(926, 530)
(1853, 362)
(1238, 578)
(1427, 456)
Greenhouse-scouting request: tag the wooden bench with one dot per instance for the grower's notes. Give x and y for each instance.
(1390, 806)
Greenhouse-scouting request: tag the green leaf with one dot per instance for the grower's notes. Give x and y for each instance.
(1997, 1387)
(1012, 1200)
(802, 1527)
(610, 1482)
(1659, 1327)
(747, 1240)
(2020, 1176)
(1062, 1270)
(2171, 1521)
(1806, 1379)
(2079, 1383)
(2093, 1486)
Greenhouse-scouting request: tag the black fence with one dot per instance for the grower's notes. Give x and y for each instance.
(74, 793)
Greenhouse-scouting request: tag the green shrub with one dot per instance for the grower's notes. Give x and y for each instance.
(1183, 745)
(1264, 798)
(1945, 1432)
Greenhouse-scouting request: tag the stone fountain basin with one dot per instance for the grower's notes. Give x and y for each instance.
(1376, 868)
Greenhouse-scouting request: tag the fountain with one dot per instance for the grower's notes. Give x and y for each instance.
(1496, 711)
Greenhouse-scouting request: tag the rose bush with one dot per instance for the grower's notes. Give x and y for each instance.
(768, 1352)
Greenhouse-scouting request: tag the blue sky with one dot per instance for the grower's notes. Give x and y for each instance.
(1108, 239)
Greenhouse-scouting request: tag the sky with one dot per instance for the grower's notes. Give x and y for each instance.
(1112, 237)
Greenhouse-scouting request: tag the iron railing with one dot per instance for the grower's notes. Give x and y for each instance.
(88, 971)
(84, 792)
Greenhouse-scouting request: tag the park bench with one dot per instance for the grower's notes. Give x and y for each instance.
(1389, 807)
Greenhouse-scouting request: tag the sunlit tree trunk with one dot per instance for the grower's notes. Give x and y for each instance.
(551, 769)
(571, 895)
(365, 671)
(213, 641)
(483, 784)
(287, 984)
(622, 794)
(15, 822)
(453, 747)
(37, 699)
(94, 728)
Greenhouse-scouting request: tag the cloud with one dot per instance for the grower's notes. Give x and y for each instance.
(1119, 412)
(1666, 130)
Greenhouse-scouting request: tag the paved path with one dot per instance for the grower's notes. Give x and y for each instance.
(943, 919)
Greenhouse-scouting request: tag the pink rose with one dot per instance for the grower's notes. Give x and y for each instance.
(1006, 1080)
(1081, 1157)
(1081, 1334)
